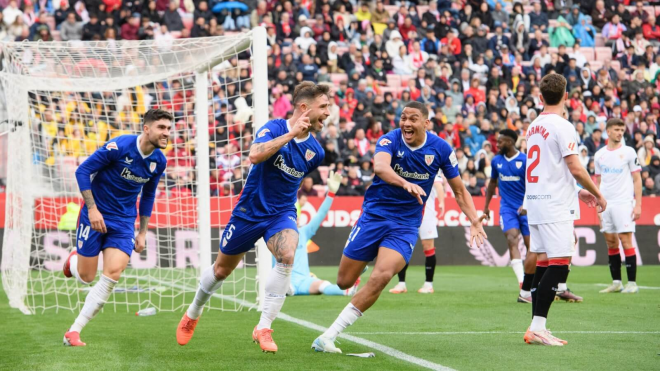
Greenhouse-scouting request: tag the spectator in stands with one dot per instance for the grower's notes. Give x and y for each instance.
(351, 184)
(538, 20)
(71, 29)
(130, 29)
(650, 188)
(93, 29)
(172, 18)
(613, 30)
(594, 142)
(600, 15)
(647, 151)
(584, 32)
(307, 188)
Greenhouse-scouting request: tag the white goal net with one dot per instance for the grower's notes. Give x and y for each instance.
(66, 99)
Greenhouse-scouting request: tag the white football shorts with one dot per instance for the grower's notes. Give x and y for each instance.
(618, 218)
(429, 228)
(557, 240)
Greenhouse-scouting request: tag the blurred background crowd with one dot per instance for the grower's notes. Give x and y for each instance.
(476, 64)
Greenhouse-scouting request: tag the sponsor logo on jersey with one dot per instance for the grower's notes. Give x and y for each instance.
(429, 159)
(126, 174)
(110, 146)
(262, 133)
(384, 142)
(509, 178)
(399, 154)
(453, 159)
(152, 166)
(499, 166)
(128, 161)
(293, 219)
(518, 164)
(309, 154)
(406, 174)
(610, 170)
(279, 163)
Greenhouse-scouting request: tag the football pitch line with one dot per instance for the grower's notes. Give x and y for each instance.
(641, 287)
(312, 326)
(434, 333)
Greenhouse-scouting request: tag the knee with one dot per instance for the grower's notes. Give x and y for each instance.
(113, 273)
(87, 276)
(221, 273)
(285, 256)
(343, 283)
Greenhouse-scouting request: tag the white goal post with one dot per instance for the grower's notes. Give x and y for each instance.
(65, 99)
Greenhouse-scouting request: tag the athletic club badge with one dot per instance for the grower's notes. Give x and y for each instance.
(384, 142)
(309, 155)
(152, 166)
(429, 159)
(262, 133)
(110, 146)
(518, 164)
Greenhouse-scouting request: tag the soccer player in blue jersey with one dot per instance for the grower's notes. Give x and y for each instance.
(110, 181)
(283, 153)
(302, 283)
(508, 172)
(406, 163)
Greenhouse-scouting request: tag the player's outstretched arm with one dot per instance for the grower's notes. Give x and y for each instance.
(582, 176)
(384, 171)
(464, 200)
(490, 191)
(260, 152)
(146, 206)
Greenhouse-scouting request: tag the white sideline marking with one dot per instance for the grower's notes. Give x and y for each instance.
(641, 287)
(498, 332)
(312, 326)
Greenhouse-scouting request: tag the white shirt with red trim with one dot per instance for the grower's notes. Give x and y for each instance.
(551, 190)
(615, 167)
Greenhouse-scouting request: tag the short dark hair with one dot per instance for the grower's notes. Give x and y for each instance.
(418, 106)
(553, 88)
(308, 90)
(510, 133)
(614, 122)
(155, 115)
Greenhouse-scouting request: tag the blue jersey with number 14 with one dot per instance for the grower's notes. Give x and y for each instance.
(416, 165)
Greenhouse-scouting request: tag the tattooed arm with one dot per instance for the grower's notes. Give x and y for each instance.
(260, 152)
(95, 217)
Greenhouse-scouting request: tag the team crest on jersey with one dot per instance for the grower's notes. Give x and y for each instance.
(110, 146)
(621, 157)
(384, 142)
(152, 166)
(518, 164)
(429, 159)
(309, 154)
(263, 132)
(80, 243)
(571, 146)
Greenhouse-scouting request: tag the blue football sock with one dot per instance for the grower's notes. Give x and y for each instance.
(333, 290)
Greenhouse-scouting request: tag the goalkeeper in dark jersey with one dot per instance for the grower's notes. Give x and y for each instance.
(110, 181)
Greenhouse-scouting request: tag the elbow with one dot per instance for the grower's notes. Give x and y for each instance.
(254, 159)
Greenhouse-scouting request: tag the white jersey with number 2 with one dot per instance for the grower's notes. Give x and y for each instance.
(551, 190)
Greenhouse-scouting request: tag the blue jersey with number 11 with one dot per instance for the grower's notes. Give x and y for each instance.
(418, 165)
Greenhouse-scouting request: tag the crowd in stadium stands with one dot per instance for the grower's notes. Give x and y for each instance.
(476, 64)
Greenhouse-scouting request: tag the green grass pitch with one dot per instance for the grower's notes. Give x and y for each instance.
(472, 322)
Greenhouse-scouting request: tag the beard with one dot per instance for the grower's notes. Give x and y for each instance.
(156, 143)
(503, 151)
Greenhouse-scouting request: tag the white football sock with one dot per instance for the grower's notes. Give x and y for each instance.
(525, 294)
(208, 285)
(517, 266)
(538, 324)
(401, 285)
(561, 287)
(428, 284)
(277, 285)
(632, 283)
(347, 317)
(73, 267)
(94, 301)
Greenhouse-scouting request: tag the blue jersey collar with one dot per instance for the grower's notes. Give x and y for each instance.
(426, 136)
(137, 144)
(288, 127)
(512, 158)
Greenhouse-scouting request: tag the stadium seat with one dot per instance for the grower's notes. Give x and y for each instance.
(188, 22)
(324, 171)
(320, 189)
(616, 65)
(338, 78)
(405, 78)
(599, 40)
(595, 65)
(56, 35)
(393, 80)
(588, 53)
(391, 9)
(603, 53)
